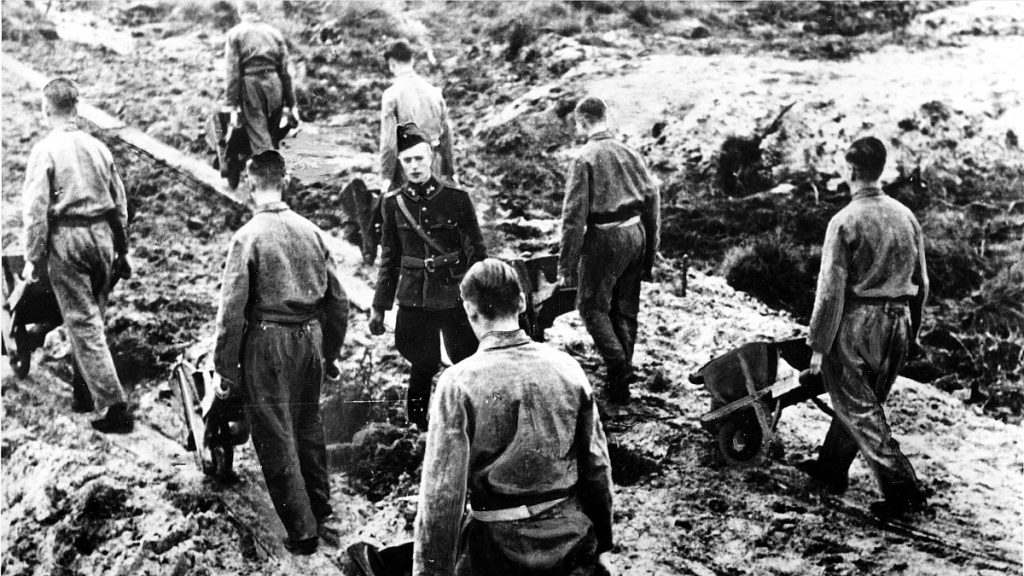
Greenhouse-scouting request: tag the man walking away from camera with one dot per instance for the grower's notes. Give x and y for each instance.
(430, 236)
(282, 320)
(259, 87)
(611, 221)
(76, 217)
(411, 98)
(867, 313)
(517, 426)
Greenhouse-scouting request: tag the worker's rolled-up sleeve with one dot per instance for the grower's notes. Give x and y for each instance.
(443, 484)
(575, 211)
(35, 196)
(234, 301)
(830, 297)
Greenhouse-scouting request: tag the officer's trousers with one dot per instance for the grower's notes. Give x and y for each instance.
(611, 266)
(284, 368)
(79, 265)
(858, 372)
(262, 104)
(417, 333)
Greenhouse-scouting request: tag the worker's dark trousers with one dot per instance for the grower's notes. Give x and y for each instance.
(859, 371)
(262, 105)
(284, 369)
(79, 265)
(417, 333)
(609, 291)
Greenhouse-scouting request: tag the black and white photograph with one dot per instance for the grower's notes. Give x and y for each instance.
(512, 288)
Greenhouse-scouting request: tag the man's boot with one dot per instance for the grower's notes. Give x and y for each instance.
(117, 420)
(619, 376)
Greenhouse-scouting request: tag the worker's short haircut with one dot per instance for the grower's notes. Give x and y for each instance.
(267, 168)
(493, 287)
(867, 155)
(399, 51)
(62, 95)
(592, 108)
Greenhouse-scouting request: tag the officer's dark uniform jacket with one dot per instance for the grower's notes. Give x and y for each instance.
(417, 275)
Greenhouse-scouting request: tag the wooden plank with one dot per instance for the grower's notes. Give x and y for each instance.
(108, 126)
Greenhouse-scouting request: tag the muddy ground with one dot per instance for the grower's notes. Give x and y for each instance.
(682, 78)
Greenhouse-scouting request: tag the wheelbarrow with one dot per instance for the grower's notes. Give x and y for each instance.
(748, 395)
(545, 300)
(29, 313)
(213, 425)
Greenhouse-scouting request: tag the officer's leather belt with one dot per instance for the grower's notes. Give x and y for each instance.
(878, 300)
(430, 264)
(516, 513)
(72, 220)
(618, 224)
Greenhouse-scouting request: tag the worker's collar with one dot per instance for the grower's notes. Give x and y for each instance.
(66, 124)
(405, 72)
(427, 189)
(279, 206)
(867, 191)
(600, 135)
(498, 339)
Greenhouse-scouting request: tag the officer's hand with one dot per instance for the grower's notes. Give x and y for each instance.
(377, 322)
(815, 366)
(29, 273)
(604, 565)
(333, 370)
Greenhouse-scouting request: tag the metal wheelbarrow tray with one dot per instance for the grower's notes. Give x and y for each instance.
(747, 397)
(213, 425)
(29, 312)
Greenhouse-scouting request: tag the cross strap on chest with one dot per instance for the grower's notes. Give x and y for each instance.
(431, 263)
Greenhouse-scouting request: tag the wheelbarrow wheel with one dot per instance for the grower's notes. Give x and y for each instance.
(21, 360)
(742, 442)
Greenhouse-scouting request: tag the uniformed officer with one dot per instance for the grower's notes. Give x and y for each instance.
(611, 222)
(259, 86)
(411, 98)
(867, 312)
(430, 237)
(75, 216)
(282, 320)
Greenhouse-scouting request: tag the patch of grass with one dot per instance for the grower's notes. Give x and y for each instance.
(776, 271)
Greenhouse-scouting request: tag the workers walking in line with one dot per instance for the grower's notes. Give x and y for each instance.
(281, 324)
(611, 220)
(411, 98)
(430, 237)
(515, 424)
(258, 84)
(76, 216)
(867, 313)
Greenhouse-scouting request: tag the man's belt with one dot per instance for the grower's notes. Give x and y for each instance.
(618, 224)
(286, 319)
(879, 300)
(263, 69)
(623, 213)
(74, 220)
(516, 513)
(433, 263)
